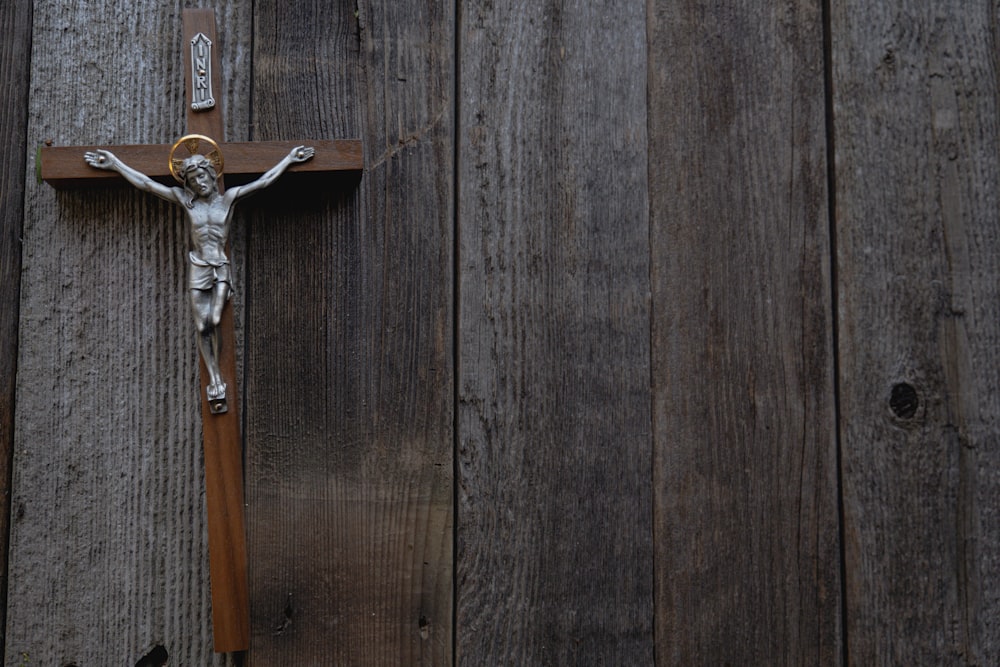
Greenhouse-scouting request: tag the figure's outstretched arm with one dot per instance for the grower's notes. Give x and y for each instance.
(102, 159)
(298, 154)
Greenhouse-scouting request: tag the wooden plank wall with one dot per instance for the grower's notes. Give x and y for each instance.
(746, 489)
(349, 351)
(555, 536)
(916, 117)
(562, 378)
(15, 50)
(108, 553)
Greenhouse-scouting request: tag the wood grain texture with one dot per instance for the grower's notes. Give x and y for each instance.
(746, 505)
(15, 53)
(349, 360)
(916, 109)
(555, 550)
(108, 554)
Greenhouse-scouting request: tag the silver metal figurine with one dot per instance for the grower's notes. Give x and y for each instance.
(209, 214)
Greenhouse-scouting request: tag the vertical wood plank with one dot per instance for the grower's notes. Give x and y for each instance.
(108, 553)
(349, 364)
(746, 505)
(15, 53)
(223, 445)
(916, 111)
(555, 501)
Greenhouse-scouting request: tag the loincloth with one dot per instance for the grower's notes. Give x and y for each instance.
(204, 275)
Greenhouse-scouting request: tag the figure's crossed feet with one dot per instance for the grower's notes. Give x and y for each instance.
(216, 392)
(217, 398)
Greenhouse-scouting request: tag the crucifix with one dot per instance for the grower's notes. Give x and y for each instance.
(197, 162)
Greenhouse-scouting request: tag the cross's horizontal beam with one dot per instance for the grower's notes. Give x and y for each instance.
(63, 166)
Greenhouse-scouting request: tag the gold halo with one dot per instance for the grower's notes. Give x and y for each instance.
(192, 142)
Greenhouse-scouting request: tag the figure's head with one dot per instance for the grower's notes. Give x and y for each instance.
(199, 176)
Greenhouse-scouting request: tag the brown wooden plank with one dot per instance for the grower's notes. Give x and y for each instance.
(223, 446)
(15, 50)
(555, 550)
(63, 166)
(349, 355)
(224, 502)
(916, 110)
(746, 504)
(108, 556)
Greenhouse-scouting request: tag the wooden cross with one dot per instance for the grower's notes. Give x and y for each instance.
(64, 167)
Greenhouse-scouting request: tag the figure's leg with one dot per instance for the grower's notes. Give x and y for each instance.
(220, 293)
(208, 343)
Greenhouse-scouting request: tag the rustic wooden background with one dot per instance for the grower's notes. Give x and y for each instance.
(654, 333)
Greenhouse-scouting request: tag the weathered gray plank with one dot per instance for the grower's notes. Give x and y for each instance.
(555, 505)
(349, 364)
(916, 110)
(108, 554)
(746, 513)
(15, 51)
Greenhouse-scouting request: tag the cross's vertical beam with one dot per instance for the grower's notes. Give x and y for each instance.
(223, 447)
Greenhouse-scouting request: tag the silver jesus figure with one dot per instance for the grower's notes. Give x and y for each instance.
(209, 214)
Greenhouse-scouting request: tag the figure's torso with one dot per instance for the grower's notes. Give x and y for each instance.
(209, 228)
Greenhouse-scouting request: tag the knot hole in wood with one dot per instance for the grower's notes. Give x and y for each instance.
(904, 400)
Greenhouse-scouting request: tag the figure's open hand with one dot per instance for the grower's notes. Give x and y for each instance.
(100, 159)
(301, 153)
